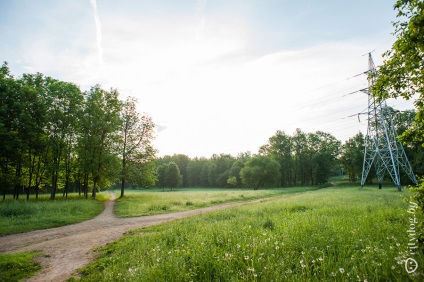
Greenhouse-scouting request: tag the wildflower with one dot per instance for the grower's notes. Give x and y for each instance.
(251, 269)
(341, 270)
(277, 247)
(320, 259)
(246, 257)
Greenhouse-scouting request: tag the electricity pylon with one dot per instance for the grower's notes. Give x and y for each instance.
(381, 144)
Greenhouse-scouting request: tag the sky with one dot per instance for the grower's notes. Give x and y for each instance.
(216, 76)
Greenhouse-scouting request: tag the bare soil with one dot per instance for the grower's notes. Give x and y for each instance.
(67, 248)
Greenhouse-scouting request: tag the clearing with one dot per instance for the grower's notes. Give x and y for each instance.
(68, 248)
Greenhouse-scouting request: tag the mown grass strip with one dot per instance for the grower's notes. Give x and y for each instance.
(334, 234)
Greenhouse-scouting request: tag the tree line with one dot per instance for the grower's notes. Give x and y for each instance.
(55, 137)
(286, 160)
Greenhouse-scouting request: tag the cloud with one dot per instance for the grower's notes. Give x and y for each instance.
(98, 31)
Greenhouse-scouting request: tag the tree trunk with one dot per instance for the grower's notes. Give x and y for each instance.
(123, 176)
(93, 195)
(31, 170)
(86, 185)
(18, 182)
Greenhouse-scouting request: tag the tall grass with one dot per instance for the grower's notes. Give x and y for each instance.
(334, 234)
(15, 267)
(22, 216)
(150, 203)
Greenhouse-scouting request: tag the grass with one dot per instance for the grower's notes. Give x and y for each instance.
(333, 234)
(154, 201)
(15, 267)
(22, 215)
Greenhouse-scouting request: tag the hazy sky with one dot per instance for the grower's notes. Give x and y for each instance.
(217, 76)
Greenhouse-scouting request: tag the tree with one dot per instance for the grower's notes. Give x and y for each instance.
(260, 170)
(161, 175)
(301, 162)
(64, 104)
(323, 149)
(235, 173)
(232, 181)
(136, 138)
(352, 156)
(9, 117)
(402, 73)
(279, 147)
(194, 171)
(173, 177)
(100, 123)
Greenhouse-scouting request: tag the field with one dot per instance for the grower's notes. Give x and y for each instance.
(154, 201)
(332, 234)
(22, 215)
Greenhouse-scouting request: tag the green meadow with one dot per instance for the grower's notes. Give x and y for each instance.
(15, 267)
(154, 201)
(23, 215)
(332, 234)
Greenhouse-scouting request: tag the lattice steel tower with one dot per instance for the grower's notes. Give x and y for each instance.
(381, 144)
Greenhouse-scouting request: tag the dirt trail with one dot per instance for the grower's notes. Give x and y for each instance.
(70, 247)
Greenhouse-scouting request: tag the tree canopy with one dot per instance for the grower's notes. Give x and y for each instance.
(54, 136)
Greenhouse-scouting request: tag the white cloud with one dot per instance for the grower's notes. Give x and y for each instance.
(98, 30)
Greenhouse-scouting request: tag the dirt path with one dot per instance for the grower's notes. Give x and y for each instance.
(70, 247)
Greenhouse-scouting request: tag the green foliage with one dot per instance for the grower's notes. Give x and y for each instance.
(232, 181)
(352, 156)
(135, 146)
(327, 235)
(15, 267)
(54, 137)
(305, 158)
(173, 177)
(402, 73)
(260, 170)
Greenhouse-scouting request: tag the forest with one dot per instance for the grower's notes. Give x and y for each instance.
(54, 138)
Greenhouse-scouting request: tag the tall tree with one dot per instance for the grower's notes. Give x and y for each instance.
(173, 177)
(279, 147)
(260, 170)
(324, 149)
(300, 160)
(352, 156)
(402, 73)
(33, 86)
(64, 104)
(137, 134)
(9, 116)
(100, 124)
